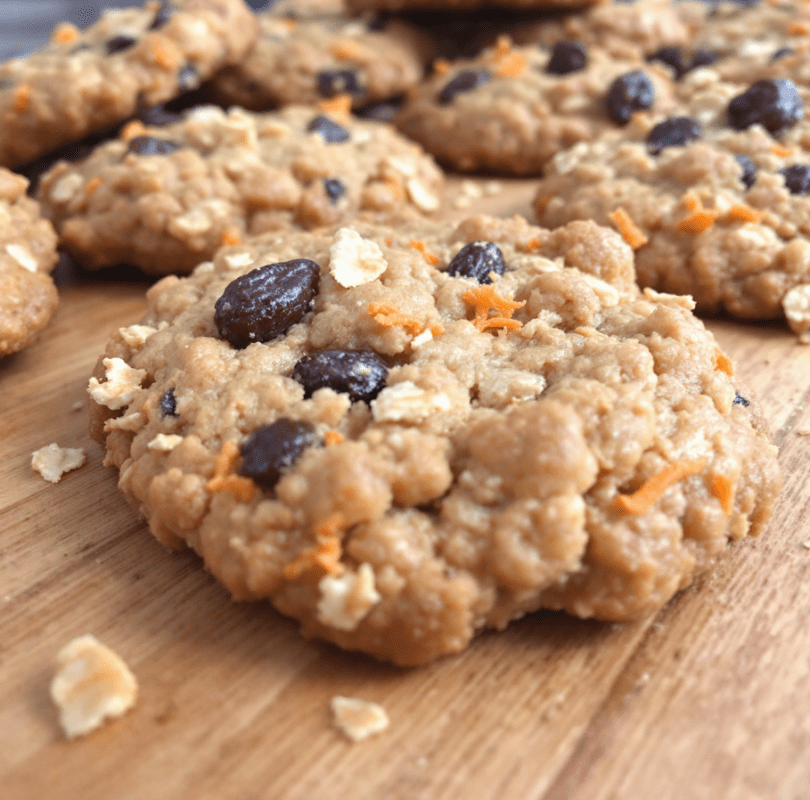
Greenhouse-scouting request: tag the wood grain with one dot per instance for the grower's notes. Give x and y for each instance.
(710, 699)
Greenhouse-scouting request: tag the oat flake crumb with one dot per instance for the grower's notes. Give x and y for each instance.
(354, 260)
(165, 442)
(121, 384)
(91, 685)
(53, 461)
(346, 599)
(358, 719)
(796, 304)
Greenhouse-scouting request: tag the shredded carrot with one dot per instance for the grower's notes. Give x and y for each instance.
(512, 65)
(21, 99)
(132, 129)
(483, 298)
(781, 151)
(332, 437)
(644, 498)
(691, 201)
(419, 245)
(503, 47)
(326, 553)
(534, 244)
(348, 50)
(339, 107)
(627, 227)
(64, 33)
(165, 59)
(743, 213)
(330, 526)
(722, 488)
(395, 187)
(386, 316)
(92, 185)
(724, 363)
(224, 481)
(798, 29)
(441, 66)
(230, 236)
(700, 220)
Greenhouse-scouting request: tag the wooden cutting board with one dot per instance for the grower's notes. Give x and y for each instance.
(708, 699)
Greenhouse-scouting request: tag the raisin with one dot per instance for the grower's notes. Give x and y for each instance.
(334, 189)
(774, 104)
(188, 78)
(384, 111)
(264, 303)
(150, 146)
(330, 130)
(332, 82)
(359, 373)
(271, 449)
(119, 43)
(160, 115)
(465, 81)
(162, 16)
(477, 260)
(797, 178)
(749, 170)
(567, 57)
(672, 132)
(629, 93)
(703, 58)
(168, 404)
(739, 400)
(673, 57)
(782, 52)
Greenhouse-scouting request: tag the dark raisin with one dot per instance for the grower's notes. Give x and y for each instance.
(168, 404)
(797, 178)
(334, 189)
(158, 116)
(781, 53)
(384, 111)
(119, 43)
(673, 57)
(330, 130)
(162, 16)
(739, 400)
(271, 449)
(749, 170)
(465, 81)
(774, 104)
(477, 260)
(188, 78)
(377, 23)
(359, 373)
(150, 146)
(703, 58)
(264, 303)
(629, 93)
(567, 57)
(672, 132)
(332, 82)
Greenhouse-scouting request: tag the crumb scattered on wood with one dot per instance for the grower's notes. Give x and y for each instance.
(358, 719)
(53, 461)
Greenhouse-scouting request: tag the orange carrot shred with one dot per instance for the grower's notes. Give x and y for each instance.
(132, 129)
(798, 28)
(723, 489)
(224, 481)
(781, 150)
(503, 46)
(21, 99)
(700, 220)
(627, 227)
(431, 259)
(534, 244)
(512, 65)
(691, 201)
(64, 33)
(483, 298)
(332, 437)
(339, 107)
(644, 498)
(743, 213)
(163, 58)
(347, 50)
(92, 185)
(441, 66)
(724, 363)
(325, 555)
(230, 236)
(387, 316)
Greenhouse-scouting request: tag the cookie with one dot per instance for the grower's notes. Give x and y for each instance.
(720, 213)
(511, 109)
(305, 58)
(403, 435)
(28, 296)
(463, 5)
(130, 59)
(165, 198)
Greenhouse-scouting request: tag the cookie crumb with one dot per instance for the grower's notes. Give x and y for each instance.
(358, 719)
(53, 461)
(806, 545)
(79, 405)
(354, 260)
(803, 431)
(121, 384)
(165, 442)
(796, 304)
(92, 684)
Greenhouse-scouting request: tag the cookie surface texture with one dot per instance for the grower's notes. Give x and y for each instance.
(129, 60)
(164, 199)
(305, 57)
(540, 433)
(28, 296)
(511, 108)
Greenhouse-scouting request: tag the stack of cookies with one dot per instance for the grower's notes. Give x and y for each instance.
(399, 430)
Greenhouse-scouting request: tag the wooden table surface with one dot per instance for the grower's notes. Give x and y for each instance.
(708, 699)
